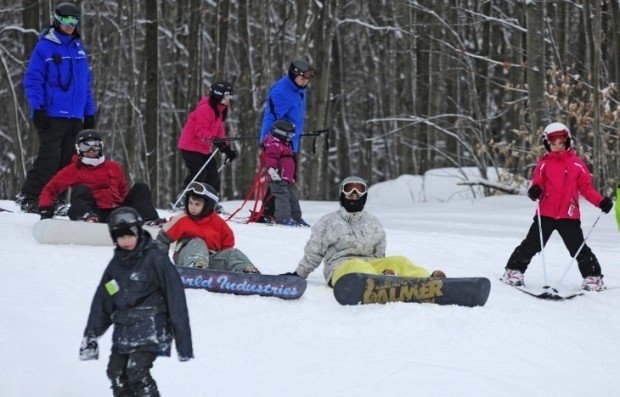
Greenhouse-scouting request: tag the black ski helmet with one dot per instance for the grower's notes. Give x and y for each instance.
(124, 221)
(64, 10)
(554, 129)
(284, 130)
(205, 192)
(219, 89)
(349, 204)
(300, 67)
(85, 136)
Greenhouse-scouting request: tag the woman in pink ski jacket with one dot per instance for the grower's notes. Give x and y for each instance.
(560, 176)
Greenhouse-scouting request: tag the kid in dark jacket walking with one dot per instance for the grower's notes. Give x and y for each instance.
(142, 295)
(280, 167)
(560, 176)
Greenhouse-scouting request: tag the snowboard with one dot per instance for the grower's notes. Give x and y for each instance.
(359, 288)
(283, 287)
(62, 231)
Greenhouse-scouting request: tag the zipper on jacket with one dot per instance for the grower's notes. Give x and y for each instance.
(557, 213)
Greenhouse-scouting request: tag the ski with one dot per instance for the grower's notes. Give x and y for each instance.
(283, 287)
(359, 288)
(549, 293)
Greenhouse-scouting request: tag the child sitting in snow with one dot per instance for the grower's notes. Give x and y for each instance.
(142, 295)
(558, 179)
(352, 240)
(280, 166)
(203, 238)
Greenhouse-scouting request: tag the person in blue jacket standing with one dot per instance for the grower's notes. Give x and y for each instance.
(287, 101)
(57, 85)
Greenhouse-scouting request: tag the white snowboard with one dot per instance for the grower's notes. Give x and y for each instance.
(60, 231)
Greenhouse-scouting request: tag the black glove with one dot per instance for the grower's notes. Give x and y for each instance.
(89, 122)
(290, 274)
(40, 119)
(534, 192)
(47, 212)
(231, 154)
(89, 349)
(220, 143)
(606, 205)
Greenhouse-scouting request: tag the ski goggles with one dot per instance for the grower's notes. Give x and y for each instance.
(308, 74)
(354, 187)
(228, 97)
(201, 190)
(68, 20)
(557, 136)
(124, 220)
(90, 145)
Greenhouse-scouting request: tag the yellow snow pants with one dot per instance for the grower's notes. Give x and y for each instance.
(401, 266)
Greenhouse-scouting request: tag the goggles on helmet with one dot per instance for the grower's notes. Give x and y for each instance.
(68, 20)
(557, 135)
(200, 190)
(88, 145)
(124, 220)
(308, 74)
(357, 187)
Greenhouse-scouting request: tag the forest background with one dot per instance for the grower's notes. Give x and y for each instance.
(404, 86)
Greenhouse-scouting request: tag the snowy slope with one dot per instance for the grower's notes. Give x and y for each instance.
(515, 345)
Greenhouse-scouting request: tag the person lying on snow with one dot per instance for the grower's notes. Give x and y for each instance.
(141, 294)
(352, 240)
(98, 186)
(204, 239)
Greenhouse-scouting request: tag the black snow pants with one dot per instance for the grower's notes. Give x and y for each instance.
(572, 235)
(130, 374)
(194, 162)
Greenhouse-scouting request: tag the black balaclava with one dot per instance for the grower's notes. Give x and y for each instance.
(353, 205)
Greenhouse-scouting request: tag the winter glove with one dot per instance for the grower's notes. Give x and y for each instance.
(163, 241)
(290, 274)
(40, 119)
(273, 174)
(47, 212)
(231, 154)
(606, 205)
(89, 349)
(534, 192)
(89, 122)
(220, 143)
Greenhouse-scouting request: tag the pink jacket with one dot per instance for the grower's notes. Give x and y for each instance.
(562, 176)
(201, 127)
(279, 156)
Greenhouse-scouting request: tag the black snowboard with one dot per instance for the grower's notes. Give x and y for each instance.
(283, 287)
(359, 288)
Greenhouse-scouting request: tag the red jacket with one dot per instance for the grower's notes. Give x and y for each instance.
(562, 176)
(106, 180)
(201, 127)
(212, 229)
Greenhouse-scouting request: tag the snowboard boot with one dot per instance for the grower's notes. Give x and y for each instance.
(302, 223)
(513, 277)
(593, 283)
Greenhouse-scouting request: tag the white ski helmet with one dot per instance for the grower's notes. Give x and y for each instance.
(555, 129)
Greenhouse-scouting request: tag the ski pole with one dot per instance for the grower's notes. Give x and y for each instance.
(174, 206)
(542, 245)
(580, 248)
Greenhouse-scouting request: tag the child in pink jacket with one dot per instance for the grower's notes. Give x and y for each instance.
(280, 167)
(560, 176)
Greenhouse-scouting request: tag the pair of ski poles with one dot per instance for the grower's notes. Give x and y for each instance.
(546, 287)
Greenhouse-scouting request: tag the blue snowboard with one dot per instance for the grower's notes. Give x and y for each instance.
(359, 288)
(283, 287)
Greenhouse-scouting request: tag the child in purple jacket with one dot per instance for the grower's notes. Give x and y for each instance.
(280, 166)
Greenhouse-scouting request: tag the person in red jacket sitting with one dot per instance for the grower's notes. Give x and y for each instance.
(205, 128)
(560, 176)
(98, 186)
(203, 238)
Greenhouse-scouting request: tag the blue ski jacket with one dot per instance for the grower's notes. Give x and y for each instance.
(58, 77)
(285, 101)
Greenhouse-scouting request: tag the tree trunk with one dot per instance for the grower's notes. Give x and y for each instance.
(534, 12)
(151, 127)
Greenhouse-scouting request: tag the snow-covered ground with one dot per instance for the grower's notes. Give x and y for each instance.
(515, 345)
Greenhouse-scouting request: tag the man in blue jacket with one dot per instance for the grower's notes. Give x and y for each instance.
(287, 101)
(57, 85)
